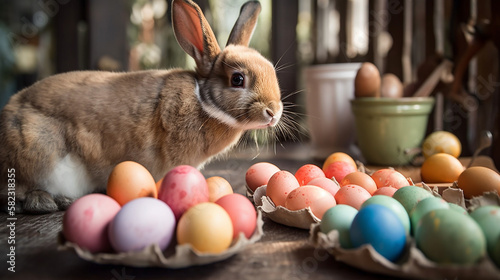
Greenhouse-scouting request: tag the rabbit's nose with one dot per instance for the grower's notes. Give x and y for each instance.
(273, 116)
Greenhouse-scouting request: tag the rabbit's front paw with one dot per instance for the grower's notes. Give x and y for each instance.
(39, 202)
(63, 202)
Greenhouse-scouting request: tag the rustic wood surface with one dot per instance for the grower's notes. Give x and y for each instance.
(282, 253)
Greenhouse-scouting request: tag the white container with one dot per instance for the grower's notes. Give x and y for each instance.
(329, 89)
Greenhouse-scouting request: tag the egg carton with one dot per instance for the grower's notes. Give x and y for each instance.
(176, 256)
(413, 263)
(303, 218)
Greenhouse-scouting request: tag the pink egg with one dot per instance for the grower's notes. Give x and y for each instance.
(259, 174)
(338, 170)
(352, 195)
(361, 179)
(389, 191)
(140, 223)
(86, 222)
(314, 197)
(327, 184)
(182, 187)
(308, 172)
(280, 185)
(242, 213)
(387, 177)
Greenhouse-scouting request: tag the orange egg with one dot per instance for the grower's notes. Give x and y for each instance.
(217, 188)
(130, 180)
(441, 168)
(314, 197)
(158, 185)
(339, 156)
(280, 185)
(361, 179)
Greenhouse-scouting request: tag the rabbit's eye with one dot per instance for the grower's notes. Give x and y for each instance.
(237, 80)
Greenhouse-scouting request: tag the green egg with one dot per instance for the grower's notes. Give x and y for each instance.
(446, 236)
(425, 206)
(392, 204)
(458, 208)
(488, 218)
(409, 196)
(339, 218)
(495, 255)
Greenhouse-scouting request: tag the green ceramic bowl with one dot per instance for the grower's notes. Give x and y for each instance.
(387, 128)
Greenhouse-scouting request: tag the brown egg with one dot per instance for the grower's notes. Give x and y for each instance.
(367, 81)
(391, 86)
(476, 180)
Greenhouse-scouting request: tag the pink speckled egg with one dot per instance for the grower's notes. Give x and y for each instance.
(352, 195)
(314, 197)
(339, 169)
(86, 222)
(182, 187)
(389, 191)
(387, 177)
(327, 184)
(259, 174)
(308, 172)
(280, 185)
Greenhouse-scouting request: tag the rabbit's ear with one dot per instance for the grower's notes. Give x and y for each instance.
(245, 24)
(194, 34)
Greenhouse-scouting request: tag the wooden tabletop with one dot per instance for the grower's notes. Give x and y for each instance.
(282, 253)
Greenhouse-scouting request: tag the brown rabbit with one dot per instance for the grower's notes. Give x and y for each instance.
(62, 136)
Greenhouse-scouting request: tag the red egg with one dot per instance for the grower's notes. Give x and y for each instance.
(259, 174)
(308, 172)
(327, 184)
(280, 185)
(182, 187)
(387, 177)
(352, 195)
(339, 169)
(242, 213)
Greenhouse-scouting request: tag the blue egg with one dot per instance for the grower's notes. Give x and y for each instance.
(379, 226)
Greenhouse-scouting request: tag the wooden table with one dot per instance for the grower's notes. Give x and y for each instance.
(282, 253)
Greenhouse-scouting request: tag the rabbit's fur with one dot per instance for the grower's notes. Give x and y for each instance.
(64, 134)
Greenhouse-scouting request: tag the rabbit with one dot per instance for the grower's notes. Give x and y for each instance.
(62, 136)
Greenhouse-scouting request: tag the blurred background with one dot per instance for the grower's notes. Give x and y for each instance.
(408, 38)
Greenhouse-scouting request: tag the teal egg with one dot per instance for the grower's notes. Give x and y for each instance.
(393, 205)
(446, 236)
(425, 206)
(409, 196)
(458, 208)
(340, 218)
(488, 218)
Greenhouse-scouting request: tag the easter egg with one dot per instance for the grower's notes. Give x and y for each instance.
(327, 184)
(217, 188)
(182, 187)
(259, 174)
(441, 168)
(423, 207)
(476, 180)
(409, 196)
(207, 227)
(140, 223)
(387, 177)
(130, 180)
(242, 214)
(339, 156)
(379, 226)
(448, 237)
(338, 170)
(280, 185)
(393, 205)
(339, 218)
(361, 179)
(352, 195)
(488, 218)
(314, 197)
(308, 172)
(86, 222)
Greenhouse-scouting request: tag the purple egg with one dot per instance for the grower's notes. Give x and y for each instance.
(141, 223)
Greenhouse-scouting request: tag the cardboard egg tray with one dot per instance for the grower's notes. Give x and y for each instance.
(176, 256)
